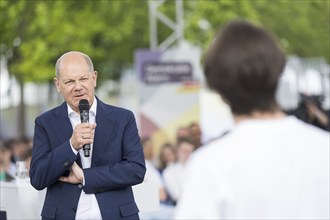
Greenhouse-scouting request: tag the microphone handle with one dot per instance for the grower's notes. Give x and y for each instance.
(84, 116)
(87, 148)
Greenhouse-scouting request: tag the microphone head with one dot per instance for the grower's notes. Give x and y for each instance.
(83, 105)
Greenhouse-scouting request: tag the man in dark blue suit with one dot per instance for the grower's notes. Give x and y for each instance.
(79, 187)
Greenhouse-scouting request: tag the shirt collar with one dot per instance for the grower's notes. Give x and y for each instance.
(92, 109)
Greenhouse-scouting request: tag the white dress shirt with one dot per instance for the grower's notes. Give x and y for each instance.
(262, 169)
(88, 208)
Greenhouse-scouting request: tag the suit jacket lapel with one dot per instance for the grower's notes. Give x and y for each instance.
(61, 123)
(104, 128)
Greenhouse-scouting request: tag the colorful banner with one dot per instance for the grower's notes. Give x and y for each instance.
(168, 91)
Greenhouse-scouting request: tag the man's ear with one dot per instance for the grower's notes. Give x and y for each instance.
(57, 84)
(95, 78)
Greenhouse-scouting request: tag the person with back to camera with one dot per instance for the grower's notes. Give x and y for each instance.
(270, 165)
(101, 187)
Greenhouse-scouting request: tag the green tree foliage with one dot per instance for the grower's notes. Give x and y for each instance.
(206, 17)
(302, 26)
(34, 33)
(108, 31)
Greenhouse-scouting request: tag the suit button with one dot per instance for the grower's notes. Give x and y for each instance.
(74, 210)
(80, 186)
(66, 163)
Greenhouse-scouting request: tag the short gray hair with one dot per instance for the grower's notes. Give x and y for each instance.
(87, 58)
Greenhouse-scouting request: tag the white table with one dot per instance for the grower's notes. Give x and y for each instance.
(21, 201)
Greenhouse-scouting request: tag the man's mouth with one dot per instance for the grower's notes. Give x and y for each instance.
(78, 96)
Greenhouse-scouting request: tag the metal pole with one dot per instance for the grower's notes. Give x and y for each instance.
(179, 20)
(177, 26)
(153, 25)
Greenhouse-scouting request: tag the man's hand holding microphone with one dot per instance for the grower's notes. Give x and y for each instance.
(83, 134)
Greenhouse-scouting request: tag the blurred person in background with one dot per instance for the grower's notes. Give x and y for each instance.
(174, 174)
(153, 176)
(27, 159)
(148, 150)
(196, 134)
(9, 145)
(182, 133)
(152, 173)
(20, 147)
(98, 186)
(310, 110)
(167, 156)
(270, 165)
(28, 142)
(5, 162)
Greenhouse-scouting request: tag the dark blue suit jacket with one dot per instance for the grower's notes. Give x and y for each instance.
(117, 163)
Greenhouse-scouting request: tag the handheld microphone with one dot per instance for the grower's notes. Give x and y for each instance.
(84, 117)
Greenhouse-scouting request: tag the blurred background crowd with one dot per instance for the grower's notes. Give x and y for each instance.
(13, 150)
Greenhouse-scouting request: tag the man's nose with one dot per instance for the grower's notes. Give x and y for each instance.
(78, 85)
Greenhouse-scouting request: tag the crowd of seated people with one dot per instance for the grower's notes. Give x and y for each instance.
(166, 168)
(13, 150)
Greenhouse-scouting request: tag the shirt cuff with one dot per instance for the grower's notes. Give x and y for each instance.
(83, 183)
(73, 150)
